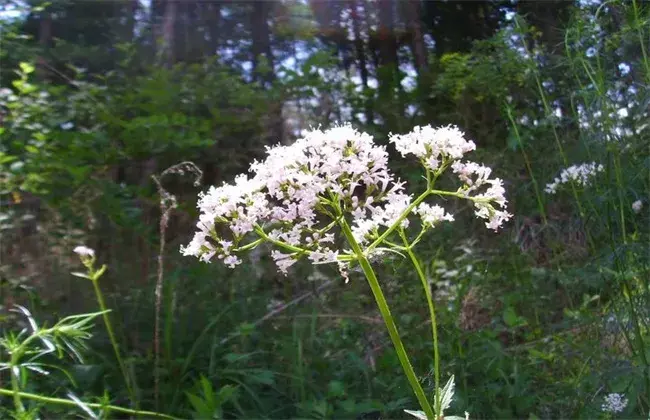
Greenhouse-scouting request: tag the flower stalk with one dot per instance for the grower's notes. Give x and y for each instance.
(382, 304)
(87, 257)
(301, 193)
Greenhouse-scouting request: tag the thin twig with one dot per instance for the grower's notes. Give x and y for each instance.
(367, 319)
(167, 205)
(280, 309)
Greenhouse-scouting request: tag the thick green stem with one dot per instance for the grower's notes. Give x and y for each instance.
(15, 390)
(388, 320)
(432, 314)
(70, 403)
(109, 328)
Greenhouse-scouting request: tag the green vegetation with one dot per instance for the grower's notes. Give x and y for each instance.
(114, 115)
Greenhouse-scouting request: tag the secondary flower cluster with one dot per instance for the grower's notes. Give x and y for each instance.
(614, 403)
(580, 174)
(438, 147)
(300, 195)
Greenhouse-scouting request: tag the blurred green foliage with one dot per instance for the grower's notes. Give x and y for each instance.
(540, 321)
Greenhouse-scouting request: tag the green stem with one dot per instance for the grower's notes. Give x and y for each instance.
(548, 113)
(61, 401)
(399, 220)
(264, 237)
(434, 324)
(15, 389)
(621, 193)
(639, 25)
(388, 319)
(94, 278)
(529, 168)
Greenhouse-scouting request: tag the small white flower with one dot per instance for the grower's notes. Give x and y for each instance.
(432, 215)
(283, 261)
(637, 206)
(84, 251)
(614, 403)
(231, 261)
(580, 174)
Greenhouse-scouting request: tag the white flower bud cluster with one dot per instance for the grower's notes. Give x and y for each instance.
(84, 252)
(614, 403)
(298, 195)
(580, 174)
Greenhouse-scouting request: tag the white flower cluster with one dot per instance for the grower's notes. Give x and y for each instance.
(437, 147)
(483, 202)
(433, 145)
(614, 403)
(637, 206)
(300, 193)
(580, 174)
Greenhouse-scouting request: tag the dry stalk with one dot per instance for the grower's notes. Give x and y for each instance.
(167, 205)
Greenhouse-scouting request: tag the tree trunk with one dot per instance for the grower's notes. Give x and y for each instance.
(261, 34)
(214, 22)
(166, 51)
(361, 57)
(417, 43)
(44, 40)
(262, 41)
(387, 72)
(131, 8)
(388, 43)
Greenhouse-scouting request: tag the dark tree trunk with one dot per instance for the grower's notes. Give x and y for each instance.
(387, 41)
(361, 57)
(261, 34)
(214, 22)
(44, 40)
(166, 51)
(549, 18)
(130, 10)
(389, 106)
(417, 37)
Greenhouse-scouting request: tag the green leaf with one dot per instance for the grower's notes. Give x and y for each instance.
(511, 318)
(513, 141)
(417, 414)
(26, 68)
(226, 393)
(4, 158)
(31, 149)
(264, 377)
(335, 389)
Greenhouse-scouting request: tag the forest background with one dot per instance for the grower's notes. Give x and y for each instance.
(545, 319)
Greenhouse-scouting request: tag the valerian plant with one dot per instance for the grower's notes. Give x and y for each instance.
(336, 184)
